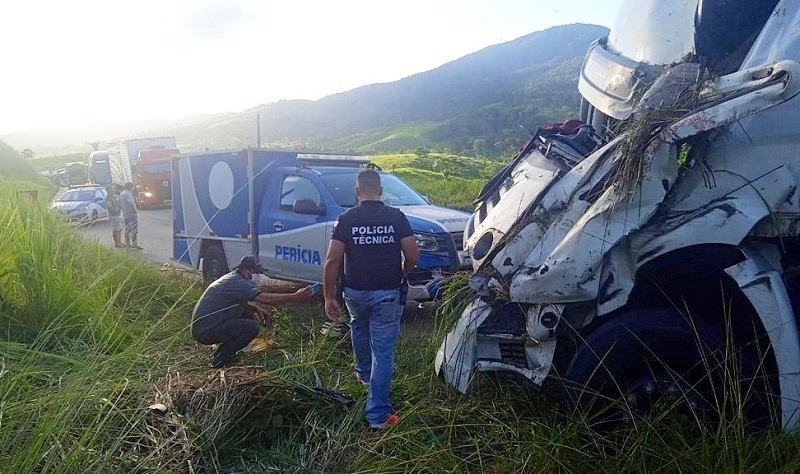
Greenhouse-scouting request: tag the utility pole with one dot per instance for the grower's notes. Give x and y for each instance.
(258, 127)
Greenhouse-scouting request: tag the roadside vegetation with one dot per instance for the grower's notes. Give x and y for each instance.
(91, 338)
(446, 179)
(56, 161)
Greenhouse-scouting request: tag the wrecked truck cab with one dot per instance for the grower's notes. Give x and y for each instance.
(677, 230)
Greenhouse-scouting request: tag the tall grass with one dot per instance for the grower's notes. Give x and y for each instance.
(83, 332)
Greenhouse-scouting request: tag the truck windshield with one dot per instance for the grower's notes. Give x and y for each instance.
(395, 192)
(154, 168)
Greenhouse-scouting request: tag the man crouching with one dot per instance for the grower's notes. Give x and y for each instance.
(222, 315)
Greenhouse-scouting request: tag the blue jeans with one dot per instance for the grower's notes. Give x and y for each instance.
(375, 325)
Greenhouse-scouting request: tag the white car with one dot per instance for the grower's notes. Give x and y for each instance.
(86, 204)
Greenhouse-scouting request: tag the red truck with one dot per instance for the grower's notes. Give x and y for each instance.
(154, 176)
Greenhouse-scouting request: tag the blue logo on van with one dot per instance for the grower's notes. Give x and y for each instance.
(298, 254)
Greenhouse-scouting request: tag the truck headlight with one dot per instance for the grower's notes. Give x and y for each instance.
(148, 194)
(426, 242)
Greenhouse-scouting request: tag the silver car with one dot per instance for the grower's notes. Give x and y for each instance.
(85, 204)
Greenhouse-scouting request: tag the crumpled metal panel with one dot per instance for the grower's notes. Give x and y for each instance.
(455, 359)
(574, 249)
(511, 253)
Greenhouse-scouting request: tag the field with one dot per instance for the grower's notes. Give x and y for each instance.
(54, 162)
(92, 338)
(447, 180)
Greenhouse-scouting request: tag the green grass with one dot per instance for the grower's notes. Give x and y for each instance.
(90, 338)
(447, 180)
(54, 161)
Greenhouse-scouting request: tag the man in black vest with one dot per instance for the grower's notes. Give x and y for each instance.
(372, 237)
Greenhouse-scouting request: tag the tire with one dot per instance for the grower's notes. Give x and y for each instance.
(214, 262)
(647, 358)
(93, 217)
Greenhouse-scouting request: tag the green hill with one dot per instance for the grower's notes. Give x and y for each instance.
(475, 105)
(446, 179)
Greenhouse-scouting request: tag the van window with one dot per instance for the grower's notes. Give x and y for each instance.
(294, 188)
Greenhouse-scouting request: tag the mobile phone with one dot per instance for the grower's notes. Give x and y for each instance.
(315, 287)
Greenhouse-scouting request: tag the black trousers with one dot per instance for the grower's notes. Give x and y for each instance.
(231, 335)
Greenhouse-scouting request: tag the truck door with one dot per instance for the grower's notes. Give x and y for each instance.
(293, 235)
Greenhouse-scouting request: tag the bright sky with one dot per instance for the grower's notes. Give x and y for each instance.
(74, 61)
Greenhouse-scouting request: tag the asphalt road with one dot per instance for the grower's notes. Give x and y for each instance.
(155, 234)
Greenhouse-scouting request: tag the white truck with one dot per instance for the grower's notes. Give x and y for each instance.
(281, 206)
(653, 248)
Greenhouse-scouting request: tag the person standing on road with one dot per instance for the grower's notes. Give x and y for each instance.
(370, 239)
(223, 315)
(128, 204)
(114, 215)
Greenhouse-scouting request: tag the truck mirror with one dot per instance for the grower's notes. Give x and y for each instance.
(307, 206)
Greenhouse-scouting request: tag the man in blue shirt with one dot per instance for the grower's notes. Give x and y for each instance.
(223, 315)
(128, 204)
(370, 238)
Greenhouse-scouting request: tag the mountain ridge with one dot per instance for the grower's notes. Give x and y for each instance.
(474, 104)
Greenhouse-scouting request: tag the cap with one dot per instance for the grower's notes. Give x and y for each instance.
(250, 263)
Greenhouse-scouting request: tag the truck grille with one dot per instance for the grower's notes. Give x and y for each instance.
(458, 239)
(513, 353)
(443, 240)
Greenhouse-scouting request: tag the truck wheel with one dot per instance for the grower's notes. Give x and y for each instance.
(648, 358)
(214, 263)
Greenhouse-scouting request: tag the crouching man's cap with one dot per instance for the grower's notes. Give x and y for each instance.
(251, 264)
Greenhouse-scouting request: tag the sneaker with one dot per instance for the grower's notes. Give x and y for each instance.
(362, 381)
(217, 362)
(391, 420)
(335, 330)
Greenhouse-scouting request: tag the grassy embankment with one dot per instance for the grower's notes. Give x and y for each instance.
(90, 338)
(55, 162)
(447, 180)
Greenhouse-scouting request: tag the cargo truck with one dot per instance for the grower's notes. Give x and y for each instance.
(282, 205)
(650, 251)
(150, 173)
(99, 169)
(76, 173)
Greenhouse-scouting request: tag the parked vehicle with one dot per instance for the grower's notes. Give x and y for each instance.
(99, 169)
(282, 205)
(154, 177)
(150, 173)
(84, 203)
(623, 263)
(77, 174)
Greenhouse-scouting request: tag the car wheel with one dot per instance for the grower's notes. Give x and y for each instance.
(647, 358)
(214, 263)
(94, 216)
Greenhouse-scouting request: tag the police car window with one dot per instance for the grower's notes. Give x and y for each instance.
(395, 192)
(295, 188)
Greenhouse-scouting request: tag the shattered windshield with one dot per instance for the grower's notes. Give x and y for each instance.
(395, 192)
